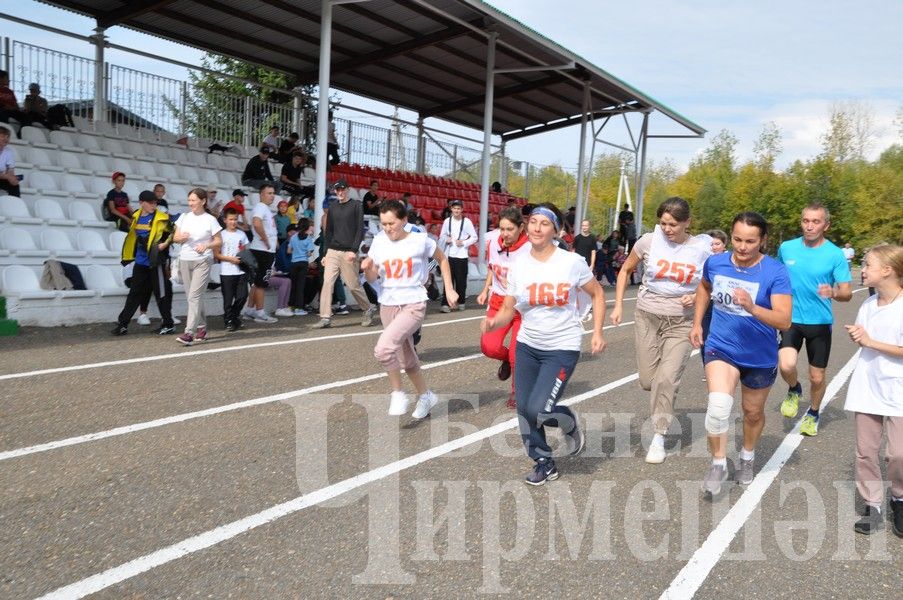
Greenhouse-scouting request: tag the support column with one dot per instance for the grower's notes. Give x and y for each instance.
(421, 146)
(527, 183)
(246, 132)
(487, 144)
(323, 110)
(100, 102)
(183, 110)
(297, 117)
(7, 56)
(581, 167)
(349, 135)
(503, 166)
(641, 188)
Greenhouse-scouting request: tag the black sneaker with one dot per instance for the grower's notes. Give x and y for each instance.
(164, 330)
(872, 522)
(896, 517)
(504, 371)
(543, 471)
(120, 330)
(230, 326)
(342, 309)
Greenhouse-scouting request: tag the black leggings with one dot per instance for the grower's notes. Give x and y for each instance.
(299, 280)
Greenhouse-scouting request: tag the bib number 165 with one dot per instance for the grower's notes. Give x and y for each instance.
(548, 294)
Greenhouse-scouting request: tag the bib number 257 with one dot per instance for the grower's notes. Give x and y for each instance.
(679, 272)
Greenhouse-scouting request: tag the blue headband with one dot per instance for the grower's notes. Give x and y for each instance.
(542, 210)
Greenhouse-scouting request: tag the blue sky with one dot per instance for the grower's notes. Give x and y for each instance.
(725, 64)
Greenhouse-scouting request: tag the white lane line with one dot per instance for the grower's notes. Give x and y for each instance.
(112, 576)
(695, 572)
(195, 352)
(126, 429)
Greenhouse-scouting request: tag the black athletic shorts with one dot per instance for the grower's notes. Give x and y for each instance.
(818, 342)
(264, 262)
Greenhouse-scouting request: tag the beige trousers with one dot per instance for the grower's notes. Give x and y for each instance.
(195, 275)
(662, 351)
(334, 265)
(869, 434)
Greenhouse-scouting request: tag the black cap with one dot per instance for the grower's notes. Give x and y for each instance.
(455, 202)
(341, 184)
(265, 149)
(238, 192)
(147, 196)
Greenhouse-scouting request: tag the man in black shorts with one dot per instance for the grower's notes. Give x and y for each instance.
(818, 273)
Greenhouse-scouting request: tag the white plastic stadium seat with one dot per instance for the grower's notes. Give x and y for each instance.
(93, 243)
(64, 140)
(148, 169)
(86, 215)
(41, 160)
(19, 242)
(51, 211)
(71, 163)
(35, 135)
(23, 282)
(100, 278)
(91, 143)
(76, 186)
(97, 164)
(59, 244)
(44, 183)
(14, 210)
(115, 147)
(116, 240)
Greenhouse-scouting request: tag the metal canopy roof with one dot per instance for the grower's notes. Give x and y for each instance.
(425, 55)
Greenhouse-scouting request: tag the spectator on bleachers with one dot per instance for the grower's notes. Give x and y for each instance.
(118, 202)
(343, 234)
(273, 141)
(617, 261)
(301, 249)
(147, 244)
(496, 187)
(257, 171)
(280, 279)
(283, 220)
(569, 219)
(308, 210)
(263, 246)
(332, 144)
(160, 193)
(199, 233)
(35, 104)
(9, 181)
(237, 203)
(287, 148)
(291, 174)
(406, 200)
(233, 279)
(9, 106)
(214, 204)
(372, 200)
(456, 237)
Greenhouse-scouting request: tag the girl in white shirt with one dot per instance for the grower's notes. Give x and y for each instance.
(199, 233)
(875, 394)
(400, 260)
(503, 247)
(544, 285)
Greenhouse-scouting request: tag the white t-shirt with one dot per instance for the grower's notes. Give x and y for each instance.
(500, 260)
(546, 297)
(233, 243)
(200, 229)
(876, 386)
(7, 159)
(848, 253)
(453, 230)
(402, 267)
(263, 212)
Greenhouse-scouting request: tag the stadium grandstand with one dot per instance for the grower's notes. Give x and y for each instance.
(462, 62)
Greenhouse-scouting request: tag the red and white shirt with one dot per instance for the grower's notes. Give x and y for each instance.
(499, 258)
(403, 267)
(546, 297)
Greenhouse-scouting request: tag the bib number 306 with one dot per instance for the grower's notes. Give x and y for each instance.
(548, 294)
(681, 273)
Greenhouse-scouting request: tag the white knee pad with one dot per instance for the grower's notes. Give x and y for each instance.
(718, 415)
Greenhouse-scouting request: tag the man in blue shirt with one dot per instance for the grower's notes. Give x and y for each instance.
(818, 273)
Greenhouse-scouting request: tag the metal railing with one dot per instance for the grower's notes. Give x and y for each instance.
(162, 104)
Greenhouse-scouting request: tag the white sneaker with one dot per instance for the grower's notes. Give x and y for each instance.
(176, 321)
(261, 317)
(445, 309)
(398, 404)
(656, 454)
(284, 312)
(300, 312)
(425, 403)
(143, 319)
(248, 313)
